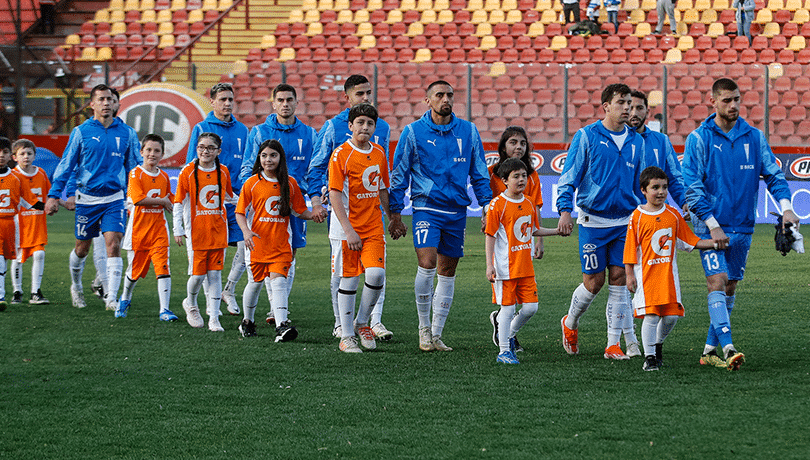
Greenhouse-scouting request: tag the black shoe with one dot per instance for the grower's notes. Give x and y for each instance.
(98, 290)
(38, 299)
(16, 298)
(493, 318)
(286, 332)
(247, 328)
(659, 354)
(516, 345)
(650, 363)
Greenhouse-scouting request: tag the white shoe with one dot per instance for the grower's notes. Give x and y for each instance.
(366, 337)
(633, 349)
(193, 314)
(111, 304)
(439, 345)
(77, 297)
(425, 339)
(337, 332)
(213, 324)
(349, 345)
(381, 332)
(230, 301)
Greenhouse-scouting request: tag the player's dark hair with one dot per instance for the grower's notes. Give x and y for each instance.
(437, 83)
(724, 84)
(640, 94)
(98, 88)
(115, 93)
(283, 177)
(650, 173)
(220, 87)
(353, 81)
(613, 90)
(282, 88)
(20, 144)
(217, 140)
(5, 143)
(362, 110)
(152, 137)
(509, 132)
(511, 165)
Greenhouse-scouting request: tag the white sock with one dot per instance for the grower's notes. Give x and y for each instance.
(628, 325)
(37, 269)
(164, 286)
(347, 292)
(250, 297)
(3, 268)
(334, 285)
(100, 260)
(193, 288)
(16, 275)
(580, 301)
(524, 315)
(290, 278)
(375, 280)
(129, 285)
(237, 265)
(665, 327)
(505, 315)
(376, 313)
(214, 298)
(614, 313)
(649, 333)
(423, 288)
(269, 291)
(442, 301)
(279, 303)
(76, 264)
(115, 265)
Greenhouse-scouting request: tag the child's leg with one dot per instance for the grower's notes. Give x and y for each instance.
(290, 277)
(115, 265)
(279, 302)
(237, 267)
(3, 268)
(250, 297)
(423, 288)
(16, 275)
(214, 298)
(505, 315)
(376, 313)
(76, 264)
(347, 292)
(628, 326)
(164, 285)
(526, 312)
(193, 288)
(334, 286)
(665, 327)
(375, 281)
(649, 333)
(37, 270)
(129, 285)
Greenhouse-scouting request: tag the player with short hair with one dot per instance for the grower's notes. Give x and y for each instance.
(147, 238)
(233, 135)
(511, 221)
(723, 161)
(357, 90)
(436, 156)
(656, 230)
(101, 151)
(603, 165)
(297, 141)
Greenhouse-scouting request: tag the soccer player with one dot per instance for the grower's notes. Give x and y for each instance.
(511, 222)
(102, 150)
(655, 231)
(659, 151)
(147, 236)
(723, 161)
(269, 198)
(297, 141)
(33, 225)
(436, 156)
(603, 165)
(203, 187)
(335, 132)
(233, 134)
(358, 186)
(12, 200)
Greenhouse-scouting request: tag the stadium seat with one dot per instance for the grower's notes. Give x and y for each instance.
(686, 42)
(715, 30)
(770, 30)
(673, 55)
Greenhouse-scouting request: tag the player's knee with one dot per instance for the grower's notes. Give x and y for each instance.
(375, 277)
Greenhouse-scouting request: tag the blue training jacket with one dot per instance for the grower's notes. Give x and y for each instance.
(297, 139)
(234, 138)
(436, 161)
(721, 173)
(659, 152)
(96, 160)
(331, 136)
(605, 179)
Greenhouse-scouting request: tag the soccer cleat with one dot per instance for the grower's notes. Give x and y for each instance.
(659, 354)
(734, 359)
(3, 304)
(213, 324)
(123, 306)
(349, 345)
(633, 349)
(271, 320)
(98, 288)
(247, 328)
(507, 357)
(569, 338)
(111, 304)
(193, 314)
(366, 337)
(336, 332)
(167, 315)
(615, 352)
(381, 332)
(439, 345)
(230, 301)
(425, 339)
(286, 332)
(77, 297)
(514, 345)
(38, 299)
(650, 363)
(712, 359)
(493, 319)
(16, 298)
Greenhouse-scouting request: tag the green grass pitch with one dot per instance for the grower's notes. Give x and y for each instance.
(79, 384)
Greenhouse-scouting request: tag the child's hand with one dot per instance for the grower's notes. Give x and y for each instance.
(249, 235)
(353, 241)
(51, 206)
(180, 240)
(632, 284)
(491, 274)
(538, 249)
(168, 205)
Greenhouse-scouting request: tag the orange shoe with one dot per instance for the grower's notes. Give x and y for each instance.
(615, 352)
(569, 338)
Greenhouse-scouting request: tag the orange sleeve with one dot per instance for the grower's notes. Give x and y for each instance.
(136, 192)
(534, 191)
(297, 202)
(631, 241)
(244, 197)
(336, 171)
(685, 233)
(493, 217)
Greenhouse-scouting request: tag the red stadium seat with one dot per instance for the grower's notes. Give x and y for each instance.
(618, 55)
(748, 56)
(786, 56)
(636, 56)
(711, 56)
(767, 56)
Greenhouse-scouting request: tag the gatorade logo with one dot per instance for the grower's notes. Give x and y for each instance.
(558, 162)
(522, 229)
(662, 242)
(271, 205)
(801, 168)
(209, 197)
(371, 178)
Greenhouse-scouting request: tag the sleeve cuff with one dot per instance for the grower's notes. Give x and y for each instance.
(785, 204)
(712, 223)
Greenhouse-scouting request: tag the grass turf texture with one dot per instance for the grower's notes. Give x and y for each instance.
(82, 384)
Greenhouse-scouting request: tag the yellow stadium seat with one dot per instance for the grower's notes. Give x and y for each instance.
(146, 5)
(543, 5)
(801, 16)
(367, 42)
(102, 16)
(73, 39)
(341, 5)
(439, 5)
(497, 17)
(314, 28)
(415, 29)
(117, 16)
(775, 70)
(195, 16)
(166, 41)
(88, 54)
(643, 29)
(116, 5)
(165, 28)
(673, 56)
(483, 29)
(764, 16)
(806, 5)
(344, 16)
(361, 16)
(178, 5)
(162, 16)
(636, 16)
(497, 69)
(406, 5)
(536, 29)
(683, 5)
(558, 42)
(473, 5)
(514, 16)
(655, 98)
(151, 16)
(487, 42)
(797, 43)
(548, 16)
(715, 30)
(720, 5)
(307, 5)
(691, 16)
(268, 41)
(118, 28)
(424, 5)
(104, 54)
(774, 5)
(311, 16)
(445, 16)
(479, 16)
(394, 16)
(374, 5)
(208, 5)
(648, 5)
(324, 5)
(224, 5)
(130, 5)
(428, 17)
(793, 5)
(422, 55)
(770, 30)
(364, 28)
(631, 5)
(708, 17)
(703, 5)
(685, 42)
(509, 5)
(296, 15)
(492, 5)
(557, 6)
(286, 54)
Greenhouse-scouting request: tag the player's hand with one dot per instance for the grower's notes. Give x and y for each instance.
(249, 235)
(565, 225)
(51, 206)
(168, 205)
(491, 274)
(180, 240)
(396, 228)
(632, 285)
(539, 250)
(70, 204)
(719, 239)
(790, 216)
(353, 241)
(324, 195)
(318, 213)
(686, 215)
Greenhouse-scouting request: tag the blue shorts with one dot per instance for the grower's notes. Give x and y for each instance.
(600, 247)
(731, 261)
(234, 232)
(107, 217)
(299, 232)
(445, 232)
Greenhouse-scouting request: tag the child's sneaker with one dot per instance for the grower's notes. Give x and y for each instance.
(213, 324)
(77, 297)
(98, 288)
(425, 339)
(247, 328)
(650, 363)
(659, 354)
(366, 337)
(16, 298)
(381, 332)
(286, 332)
(38, 299)
(349, 345)
(336, 332)
(615, 352)
(167, 315)
(230, 301)
(271, 320)
(439, 345)
(633, 349)
(514, 345)
(569, 338)
(507, 357)
(493, 319)
(111, 304)
(123, 306)
(193, 315)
